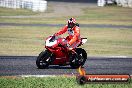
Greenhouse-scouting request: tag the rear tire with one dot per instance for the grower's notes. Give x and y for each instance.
(79, 58)
(44, 59)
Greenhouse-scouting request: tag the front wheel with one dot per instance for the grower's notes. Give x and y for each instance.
(44, 59)
(79, 58)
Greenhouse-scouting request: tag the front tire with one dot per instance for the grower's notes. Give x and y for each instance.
(44, 59)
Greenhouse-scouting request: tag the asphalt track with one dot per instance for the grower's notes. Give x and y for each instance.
(25, 65)
(60, 25)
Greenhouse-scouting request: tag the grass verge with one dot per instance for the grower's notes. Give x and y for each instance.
(15, 12)
(54, 82)
(19, 40)
(93, 15)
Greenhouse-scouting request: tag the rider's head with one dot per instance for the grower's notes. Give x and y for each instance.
(71, 22)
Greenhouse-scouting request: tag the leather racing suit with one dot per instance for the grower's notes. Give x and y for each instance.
(73, 40)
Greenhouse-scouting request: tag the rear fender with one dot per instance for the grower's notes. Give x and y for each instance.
(83, 40)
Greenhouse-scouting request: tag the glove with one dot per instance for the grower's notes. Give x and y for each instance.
(56, 34)
(67, 45)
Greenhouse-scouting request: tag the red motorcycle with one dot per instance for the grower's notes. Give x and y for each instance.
(57, 54)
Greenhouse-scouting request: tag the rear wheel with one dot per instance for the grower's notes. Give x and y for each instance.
(79, 58)
(44, 59)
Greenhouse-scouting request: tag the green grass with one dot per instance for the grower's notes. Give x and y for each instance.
(17, 40)
(55, 82)
(23, 40)
(94, 15)
(107, 15)
(15, 12)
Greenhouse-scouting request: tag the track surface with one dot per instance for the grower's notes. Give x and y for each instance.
(25, 65)
(60, 25)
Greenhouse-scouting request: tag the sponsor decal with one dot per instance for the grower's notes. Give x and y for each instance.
(83, 78)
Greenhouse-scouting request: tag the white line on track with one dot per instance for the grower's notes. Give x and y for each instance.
(41, 76)
(116, 57)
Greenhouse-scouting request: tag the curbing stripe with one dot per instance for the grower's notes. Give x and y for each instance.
(116, 57)
(41, 76)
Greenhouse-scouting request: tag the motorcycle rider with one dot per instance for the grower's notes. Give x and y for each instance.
(73, 39)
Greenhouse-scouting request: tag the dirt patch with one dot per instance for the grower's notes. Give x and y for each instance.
(58, 9)
(10, 77)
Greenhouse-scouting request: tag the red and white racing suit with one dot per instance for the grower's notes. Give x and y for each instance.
(73, 40)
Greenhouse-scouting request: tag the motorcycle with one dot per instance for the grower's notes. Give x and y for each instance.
(57, 54)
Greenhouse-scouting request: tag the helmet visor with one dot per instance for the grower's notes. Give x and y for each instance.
(70, 25)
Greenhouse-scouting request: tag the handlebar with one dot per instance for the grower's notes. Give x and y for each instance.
(52, 39)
